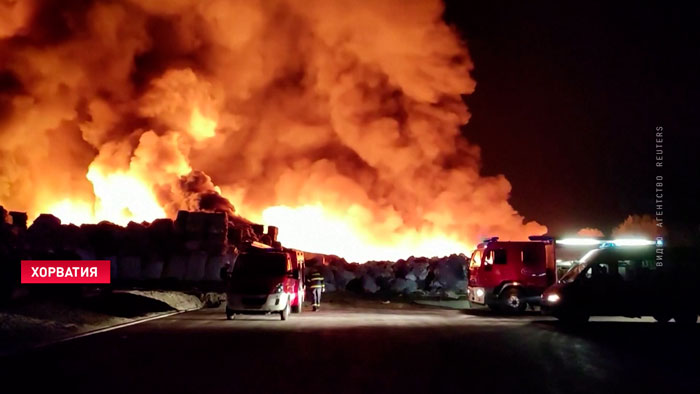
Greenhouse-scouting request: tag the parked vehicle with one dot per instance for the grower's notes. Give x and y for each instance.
(510, 275)
(628, 281)
(266, 280)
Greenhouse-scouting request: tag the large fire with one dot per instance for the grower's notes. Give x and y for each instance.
(341, 233)
(337, 122)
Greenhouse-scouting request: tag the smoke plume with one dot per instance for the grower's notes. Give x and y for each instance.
(282, 106)
(638, 226)
(590, 232)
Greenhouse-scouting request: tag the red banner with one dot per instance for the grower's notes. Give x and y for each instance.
(65, 271)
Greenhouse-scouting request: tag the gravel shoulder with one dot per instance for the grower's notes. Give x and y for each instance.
(40, 321)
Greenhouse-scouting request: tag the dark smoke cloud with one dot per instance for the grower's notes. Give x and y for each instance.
(200, 194)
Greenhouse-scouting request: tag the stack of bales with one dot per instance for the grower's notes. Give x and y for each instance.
(191, 248)
(202, 244)
(443, 276)
(196, 245)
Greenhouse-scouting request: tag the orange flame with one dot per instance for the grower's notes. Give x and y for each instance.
(201, 127)
(73, 211)
(122, 197)
(316, 229)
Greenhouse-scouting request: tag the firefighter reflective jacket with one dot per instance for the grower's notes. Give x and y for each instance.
(316, 281)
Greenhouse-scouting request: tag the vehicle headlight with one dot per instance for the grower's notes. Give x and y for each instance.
(278, 289)
(553, 298)
(479, 292)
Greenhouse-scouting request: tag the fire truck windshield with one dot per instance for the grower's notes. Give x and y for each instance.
(475, 261)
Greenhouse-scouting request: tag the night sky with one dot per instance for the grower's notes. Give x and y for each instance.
(567, 101)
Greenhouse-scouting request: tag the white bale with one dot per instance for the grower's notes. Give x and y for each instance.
(420, 271)
(369, 284)
(436, 285)
(175, 268)
(404, 286)
(129, 268)
(386, 272)
(342, 277)
(411, 287)
(446, 277)
(460, 286)
(196, 265)
(213, 300)
(378, 269)
(399, 285)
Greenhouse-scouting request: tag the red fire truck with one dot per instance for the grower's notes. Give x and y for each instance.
(266, 280)
(510, 275)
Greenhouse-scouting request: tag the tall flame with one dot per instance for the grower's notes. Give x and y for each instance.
(122, 197)
(312, 228)
(73, 211)
(201, 127)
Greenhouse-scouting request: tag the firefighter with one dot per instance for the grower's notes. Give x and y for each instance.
(317, 286)
(227, 268)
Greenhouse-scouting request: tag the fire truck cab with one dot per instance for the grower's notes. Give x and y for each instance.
(266, 280)
(510, 275)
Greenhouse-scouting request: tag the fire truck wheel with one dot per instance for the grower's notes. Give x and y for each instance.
(512, 301)
(285, 312)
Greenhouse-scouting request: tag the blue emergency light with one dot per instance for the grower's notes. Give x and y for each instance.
(544, 238)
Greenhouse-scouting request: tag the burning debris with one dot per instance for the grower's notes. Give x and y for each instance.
(338, 122)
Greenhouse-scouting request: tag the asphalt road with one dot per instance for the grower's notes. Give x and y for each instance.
(372, 348)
